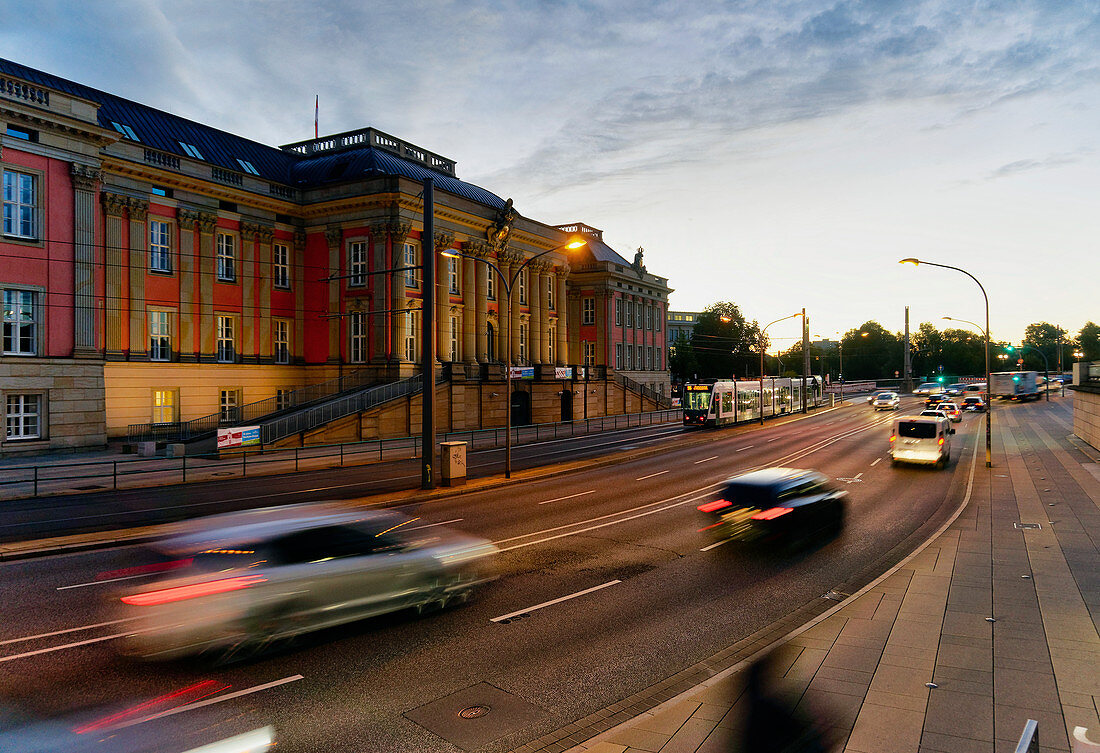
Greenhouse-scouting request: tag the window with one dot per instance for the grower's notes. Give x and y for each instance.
(657, 316)
(281, 333)
(618, 356)
(282, 399)
(160, 336)
(22, 133)
(629, 357)
(227, 267)
(411, 318)
(490, 342)
(125, 130)
(523, 285)
(247, 166)
(228, 400)
(491, 286)
(160, 247)
(357, 337)
(411, 275)
(588, 311)
(280, 268)
(20, 204)
(161, 191)
(649, 317)
(589, 349)
(190, 151)
(164, 406)
(551, 335)
(618, 312)
(23, 417)
(638, 315)
(357, 264)
(452, 275)
(454, 339)
(649, 358)
(523, 342)
(550, 293)
(629, 314)
(226, 350)
(20, 326)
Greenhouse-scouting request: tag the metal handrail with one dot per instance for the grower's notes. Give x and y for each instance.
(1029, 740)
(662, 401)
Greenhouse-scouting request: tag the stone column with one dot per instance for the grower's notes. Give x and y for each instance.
(561, 305)
(514, 260)
(188, 221)
(479, 281)
(470, 326)
(443, 241)
(536, 331)
(114, 206)
(399, 231)
(139, 245)
(207, 325)
(249, 351)
(334, 235)
(85, 180)
(298, 347)
(266, 235)
(381, 297)
(576, 353)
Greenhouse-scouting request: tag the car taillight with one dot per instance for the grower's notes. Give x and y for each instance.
(717, 504)
(941, 441)
(195, 590)
(772, 513)
(893, 438)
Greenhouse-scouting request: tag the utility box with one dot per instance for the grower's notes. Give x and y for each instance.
(453, 456)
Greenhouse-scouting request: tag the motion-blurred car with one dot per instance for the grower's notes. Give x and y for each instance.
(928, 388)
(973, 404)
(232, 584)
(935, 413)
(956, 389)
(933, 400)
(786, 505)
(923, 439)
(886, 401)
(951, 409)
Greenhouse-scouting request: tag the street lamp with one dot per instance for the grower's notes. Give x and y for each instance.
(988, 403)
(507, 283)
(785, 318)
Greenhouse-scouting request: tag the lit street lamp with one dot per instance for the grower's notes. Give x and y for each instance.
(507, 283)
(988, 403)
(785, 318)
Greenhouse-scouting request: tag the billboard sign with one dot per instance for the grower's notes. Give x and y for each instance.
(238, 436)
(523, 372)
(563, 372)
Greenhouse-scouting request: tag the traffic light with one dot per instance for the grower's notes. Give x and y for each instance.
(1010, 348)
(1016, 378)
(939, 379)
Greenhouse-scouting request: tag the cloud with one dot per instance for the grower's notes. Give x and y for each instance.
(1028, 165)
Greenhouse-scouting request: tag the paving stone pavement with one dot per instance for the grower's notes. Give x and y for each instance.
(988, 626)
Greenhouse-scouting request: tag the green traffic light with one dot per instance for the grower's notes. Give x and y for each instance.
(1010, 348)
(1016, 378)
(939, 379)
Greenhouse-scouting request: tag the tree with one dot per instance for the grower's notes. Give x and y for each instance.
(926, 350)
(1088, 342)
(681, 360)
(1043, 337)
(724, 343)
(871, 352)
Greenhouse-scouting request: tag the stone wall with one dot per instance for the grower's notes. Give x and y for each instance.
(1086, 413)
(72, 400)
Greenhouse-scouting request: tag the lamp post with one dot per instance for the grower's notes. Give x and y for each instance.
(507, 284)
(785, 318)
(989, 405)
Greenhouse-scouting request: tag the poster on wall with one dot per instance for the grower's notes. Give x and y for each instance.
(238, 436)
(563, 372)
(523, 372)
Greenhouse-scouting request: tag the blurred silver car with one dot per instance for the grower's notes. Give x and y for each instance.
(235, 583)
(886, 401)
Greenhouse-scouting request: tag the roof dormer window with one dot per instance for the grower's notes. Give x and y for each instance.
(191, 151)
(247, 166)
(125, 130)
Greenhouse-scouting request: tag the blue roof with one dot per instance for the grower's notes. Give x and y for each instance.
(163, 131)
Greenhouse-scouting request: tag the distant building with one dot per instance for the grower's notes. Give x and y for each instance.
(679, 325)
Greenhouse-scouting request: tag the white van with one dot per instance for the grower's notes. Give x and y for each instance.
(921, 439)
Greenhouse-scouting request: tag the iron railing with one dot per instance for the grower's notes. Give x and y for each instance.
(661, 401)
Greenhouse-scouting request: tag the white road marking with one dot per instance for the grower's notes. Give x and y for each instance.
(67, 630)
(210, 701)
(658, 473)
(877, 460)
(59, 648)
(712, 546)
(858, 475)
(773, 439)
(559, 499)
(106, 580)
(517, 613)
(704, 460)
(429, 525)
(746, 447)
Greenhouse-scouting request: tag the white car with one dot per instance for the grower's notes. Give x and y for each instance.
(929, 388)
(886, 401)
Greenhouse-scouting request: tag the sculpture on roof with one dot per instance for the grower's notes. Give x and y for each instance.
(501, 229)
(638, 265)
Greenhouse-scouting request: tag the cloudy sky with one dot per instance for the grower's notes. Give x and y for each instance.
(774, 153)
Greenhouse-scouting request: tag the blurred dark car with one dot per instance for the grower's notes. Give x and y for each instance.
(232, 583)
(933, 400)
(973, 404)
(787, 505)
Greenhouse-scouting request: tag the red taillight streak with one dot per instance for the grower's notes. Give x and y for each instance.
(772, 513)
(707, 528)
(107, 721)
(158, 567)
(717, 504)
(179, 593)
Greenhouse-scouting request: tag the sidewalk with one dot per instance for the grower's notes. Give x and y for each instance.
(986, 627)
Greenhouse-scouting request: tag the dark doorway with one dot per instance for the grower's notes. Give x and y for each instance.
(490, 342)
(521, 408)
(567, 404)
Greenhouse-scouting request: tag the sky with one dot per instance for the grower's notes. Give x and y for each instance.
(777, 154)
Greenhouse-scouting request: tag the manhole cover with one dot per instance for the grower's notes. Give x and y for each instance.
(1028, 526)
(473, 712)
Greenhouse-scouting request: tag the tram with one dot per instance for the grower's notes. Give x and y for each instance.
(723, 403)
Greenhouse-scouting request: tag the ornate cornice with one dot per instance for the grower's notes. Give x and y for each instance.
(444, 240)
(84, 178)
(139, 209)
(477, 249)
(509, 256)
(334, 235)
(114, 204)
(562, 270)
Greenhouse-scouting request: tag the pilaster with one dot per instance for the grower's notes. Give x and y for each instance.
(298, 347)
(381, 297)
(207, 221)
(114, 206)
(85, 181)
(188, 221)
(561, 303)
(334, 236)
(398, 232)
(442, 241)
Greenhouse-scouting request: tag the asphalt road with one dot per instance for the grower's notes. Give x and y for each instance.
(650, 596)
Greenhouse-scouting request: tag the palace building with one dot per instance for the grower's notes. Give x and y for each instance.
(160, 276)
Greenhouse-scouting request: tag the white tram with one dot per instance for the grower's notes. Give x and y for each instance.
(729, 402)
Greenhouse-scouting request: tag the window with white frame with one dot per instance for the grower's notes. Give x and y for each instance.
(227, 351)
(228, 400)
(226, 258)
(23, 417)
(618, 312)
(588, 311)
(412, 276)
(649, 317)
(649, 358)
(357, 337)
(164, 406)
(160, 246)
(411, 321)
(357, 264)
(454, 338)
(523, 342)
(160, 336)
(452, 274)
(20, 204)
(638, 315)
(281, 343)
(657, 317)
(550, 292)
(629, 357)
(20, 323)
(280, 266)
(589, 352)
(551, 336)
(629, 313)
(491, 285)
(523, 285)
(619, 356)
(282, 399)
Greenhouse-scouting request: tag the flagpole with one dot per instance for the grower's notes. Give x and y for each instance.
(316, 113)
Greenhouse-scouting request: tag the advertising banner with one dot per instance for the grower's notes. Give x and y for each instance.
(563, 372)
(523, 372)
(238, 436)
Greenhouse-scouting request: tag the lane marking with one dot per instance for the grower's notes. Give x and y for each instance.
(106, 580)
(712, 546)
(66, 630)
(24, 655)
(773, 439)
(429, 525)
(559, 499)
(877, 461)
(858, 475)
(652, 475)
(746, 447)
(704, 460)
(210, 701)
(559, 600)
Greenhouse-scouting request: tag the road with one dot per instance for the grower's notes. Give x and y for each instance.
(606, 588)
